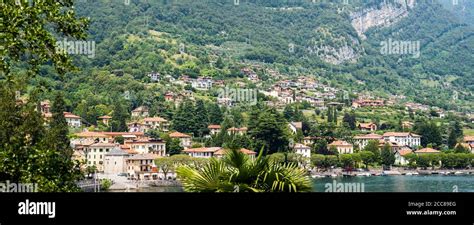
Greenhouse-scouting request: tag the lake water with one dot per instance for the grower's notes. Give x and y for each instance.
(415, 183)
(399, 183)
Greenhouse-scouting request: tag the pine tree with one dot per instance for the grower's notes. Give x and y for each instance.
(215, 114)
(270, 131)
(219, 63)
(184, 119)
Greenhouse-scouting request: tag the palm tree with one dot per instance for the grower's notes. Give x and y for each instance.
(238, 172)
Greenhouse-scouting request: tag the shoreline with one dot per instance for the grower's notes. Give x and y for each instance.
(393, 172)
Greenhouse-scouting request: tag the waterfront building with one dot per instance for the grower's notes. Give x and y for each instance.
(403, 138)
(115, 161)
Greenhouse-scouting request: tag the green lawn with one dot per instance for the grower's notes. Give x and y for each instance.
(469, 132)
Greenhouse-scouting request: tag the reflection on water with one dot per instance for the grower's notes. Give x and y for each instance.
(416, 183)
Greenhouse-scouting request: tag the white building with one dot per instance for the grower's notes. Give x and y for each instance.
(95, 154)
(72, 120)
(363, 140)
(202, 152)
(115, 161)
(208, 152)
(140, 166)
(145, 146)
(400, 156)
(302, 150)
(156, 123)
(403, 138)
(202, 83)
(342, 147)
(214, 129)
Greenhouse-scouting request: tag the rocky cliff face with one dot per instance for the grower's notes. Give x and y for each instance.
(383, 15)
(334, 49)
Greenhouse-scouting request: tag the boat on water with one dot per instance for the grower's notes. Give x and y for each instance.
(364, 175)
(409, 174)
(388, 172)
(333, 175)
(458, 173)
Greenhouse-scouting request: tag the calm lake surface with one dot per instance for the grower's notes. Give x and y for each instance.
(415, 183)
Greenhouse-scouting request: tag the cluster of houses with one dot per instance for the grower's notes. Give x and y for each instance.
(358, 103)
(300, 90)
(94, 149)
(136, 156)
(401, 144)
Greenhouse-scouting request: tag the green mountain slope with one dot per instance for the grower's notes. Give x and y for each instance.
(315, 38)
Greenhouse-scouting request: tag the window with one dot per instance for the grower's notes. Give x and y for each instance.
(101, 150)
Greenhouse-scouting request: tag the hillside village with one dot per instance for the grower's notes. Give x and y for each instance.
(133, 152)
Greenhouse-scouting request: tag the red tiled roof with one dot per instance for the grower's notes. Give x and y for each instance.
(90, 134)
(340, 143)
(404, 152)
(468, 138)
(179, 135)
(214, 126)
(369, 136)
(70, 115)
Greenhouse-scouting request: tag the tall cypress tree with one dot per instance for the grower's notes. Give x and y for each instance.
(58, 131)
(201, 118)
(119, 117)
(184, 118)
(329, 115)
(215, 114)
(63, 169)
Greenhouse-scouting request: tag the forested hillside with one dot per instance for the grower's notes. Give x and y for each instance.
(313, 38)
